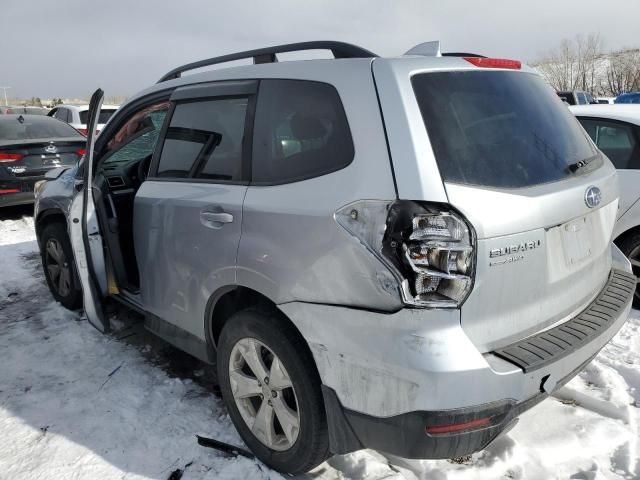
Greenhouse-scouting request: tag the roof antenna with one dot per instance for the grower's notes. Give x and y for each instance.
(426, 49)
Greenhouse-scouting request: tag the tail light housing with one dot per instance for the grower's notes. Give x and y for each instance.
(81, 151)
(10, 157)
(429, 249)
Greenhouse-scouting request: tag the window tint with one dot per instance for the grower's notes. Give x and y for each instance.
(137, 138)
(500, 129)
(616, 140)
(300, 131)
(204, 140)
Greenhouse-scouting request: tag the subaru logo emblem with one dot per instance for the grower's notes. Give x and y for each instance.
(592, 197)
(51, 148)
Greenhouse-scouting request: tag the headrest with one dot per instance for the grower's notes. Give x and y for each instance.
(307, 128)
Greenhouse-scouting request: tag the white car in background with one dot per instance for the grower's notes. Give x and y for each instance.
(77, 115)
(615, 129)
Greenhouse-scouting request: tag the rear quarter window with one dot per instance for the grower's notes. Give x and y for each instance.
(500, 129)
(300, 132)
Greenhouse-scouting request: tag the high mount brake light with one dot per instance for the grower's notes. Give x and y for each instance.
(429, 249)
(10, 157)
(494, 62)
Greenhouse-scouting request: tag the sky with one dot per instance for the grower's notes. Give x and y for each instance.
(68, 48)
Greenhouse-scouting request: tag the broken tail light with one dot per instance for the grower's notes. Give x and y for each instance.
(429, 249)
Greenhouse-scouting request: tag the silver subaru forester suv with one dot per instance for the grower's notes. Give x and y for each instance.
(401, 254)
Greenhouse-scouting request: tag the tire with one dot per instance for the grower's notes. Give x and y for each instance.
(270, 334)
(57, 256)
(630, 246)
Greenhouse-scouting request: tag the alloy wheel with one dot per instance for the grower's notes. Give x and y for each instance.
(264, 394)
(58, 267)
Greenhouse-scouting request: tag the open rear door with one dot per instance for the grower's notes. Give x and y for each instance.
(84, 230)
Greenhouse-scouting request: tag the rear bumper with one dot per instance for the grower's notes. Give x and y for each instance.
(24, 194)
(405, 435)
(388, 376)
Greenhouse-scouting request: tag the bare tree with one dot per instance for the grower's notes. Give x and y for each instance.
(574, 64)
(623, 72)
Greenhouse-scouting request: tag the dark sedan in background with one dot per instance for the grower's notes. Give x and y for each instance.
(31, 145)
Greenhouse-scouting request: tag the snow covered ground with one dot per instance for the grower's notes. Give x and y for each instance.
(76, 404)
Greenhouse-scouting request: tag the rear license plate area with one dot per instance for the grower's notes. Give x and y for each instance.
(577, 238)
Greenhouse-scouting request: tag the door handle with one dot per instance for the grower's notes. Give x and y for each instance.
(215, 219)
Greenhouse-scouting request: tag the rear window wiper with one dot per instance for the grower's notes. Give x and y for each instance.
(574, 167)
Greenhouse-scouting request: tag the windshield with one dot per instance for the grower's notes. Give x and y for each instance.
(28, 127)
(500, 129)
(105, 115)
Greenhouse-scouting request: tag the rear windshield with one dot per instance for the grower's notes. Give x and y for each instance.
(500, 129)
(34, 126)
(105, 115)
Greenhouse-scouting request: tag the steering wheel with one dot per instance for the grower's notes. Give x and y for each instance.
(143, 168)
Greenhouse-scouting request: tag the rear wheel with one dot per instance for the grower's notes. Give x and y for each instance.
(630, 246)
(271, 388)
(59, 268)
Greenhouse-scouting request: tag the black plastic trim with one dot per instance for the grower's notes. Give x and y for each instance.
(462, 54)
(180, 338)
(227, 88)
(547, 347)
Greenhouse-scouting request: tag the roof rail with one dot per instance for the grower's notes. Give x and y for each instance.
(268, 55)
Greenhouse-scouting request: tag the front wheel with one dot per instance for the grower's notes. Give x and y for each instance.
(272, 391)
(59, 267)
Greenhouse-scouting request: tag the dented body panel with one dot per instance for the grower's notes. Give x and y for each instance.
(415, 360)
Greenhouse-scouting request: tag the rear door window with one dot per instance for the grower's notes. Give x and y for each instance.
(300, 131)
(617, 140)
(204, 140)
(500, 129)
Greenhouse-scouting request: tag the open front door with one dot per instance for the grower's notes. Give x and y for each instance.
(84, 230)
